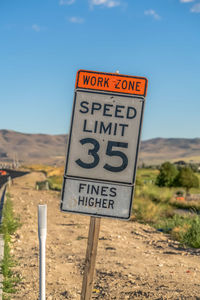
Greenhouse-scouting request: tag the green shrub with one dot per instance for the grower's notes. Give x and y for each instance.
(183, 228)
(55, 182)
(168, 224)
(187, 179)
(146, 211)
(168, 173)
(192, 235)
(8, 227)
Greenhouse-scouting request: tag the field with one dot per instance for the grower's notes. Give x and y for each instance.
(158, 207)
(152, 205)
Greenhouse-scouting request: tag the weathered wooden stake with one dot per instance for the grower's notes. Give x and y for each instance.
(91, 252)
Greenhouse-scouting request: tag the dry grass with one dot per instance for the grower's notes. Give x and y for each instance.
(48, 170)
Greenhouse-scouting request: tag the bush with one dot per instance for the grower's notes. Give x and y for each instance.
(55, 182)
(167, 225)
(187, 179)
(168, 173)
(8, 227)
(192, 235)
(146, 211)
(184, 229)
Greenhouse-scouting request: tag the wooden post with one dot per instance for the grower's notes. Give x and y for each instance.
(93, 238)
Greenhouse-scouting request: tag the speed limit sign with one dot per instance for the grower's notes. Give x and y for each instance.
(103, 144)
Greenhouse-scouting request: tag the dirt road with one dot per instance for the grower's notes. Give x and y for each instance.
(133, 262)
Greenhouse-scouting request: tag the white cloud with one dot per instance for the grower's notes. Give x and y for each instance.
(107, 3)
(36, 27)
(186, 1)
(66, 2)
(76, 20)
(196, 8)
(151, 12)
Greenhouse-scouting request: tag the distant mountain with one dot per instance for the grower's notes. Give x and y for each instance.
(160, 149)
(32, 148)
(51, 149)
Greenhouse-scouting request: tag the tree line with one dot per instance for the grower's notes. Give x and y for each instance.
(170, 176)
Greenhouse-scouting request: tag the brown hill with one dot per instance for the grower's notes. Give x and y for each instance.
(32, 148)
(51, 149)
(172, 149)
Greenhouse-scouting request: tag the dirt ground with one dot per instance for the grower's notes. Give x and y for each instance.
(134, 261)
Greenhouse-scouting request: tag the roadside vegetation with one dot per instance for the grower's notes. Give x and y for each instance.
(159, 195)
(8, 227)
(171, 176)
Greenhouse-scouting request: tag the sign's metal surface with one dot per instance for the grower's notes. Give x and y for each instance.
(104, 138)
(111, 82)
(103, 144)
(97, 198)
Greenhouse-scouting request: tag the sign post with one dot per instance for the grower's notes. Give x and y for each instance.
(91, 253)
(102, 153)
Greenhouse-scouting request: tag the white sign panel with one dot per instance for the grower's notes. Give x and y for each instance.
(97, 198)
(102, 150)
(104, 137)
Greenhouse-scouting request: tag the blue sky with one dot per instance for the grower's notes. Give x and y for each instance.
(44, 43)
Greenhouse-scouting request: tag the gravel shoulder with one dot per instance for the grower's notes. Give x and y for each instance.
(134, 261)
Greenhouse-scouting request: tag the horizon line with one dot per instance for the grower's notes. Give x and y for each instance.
(57, 134)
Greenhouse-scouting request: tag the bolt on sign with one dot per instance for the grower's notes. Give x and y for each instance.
(103, 144)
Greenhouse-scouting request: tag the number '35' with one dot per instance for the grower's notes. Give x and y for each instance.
(109, 152)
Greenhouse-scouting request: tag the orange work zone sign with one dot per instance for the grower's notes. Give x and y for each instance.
(111, 82)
